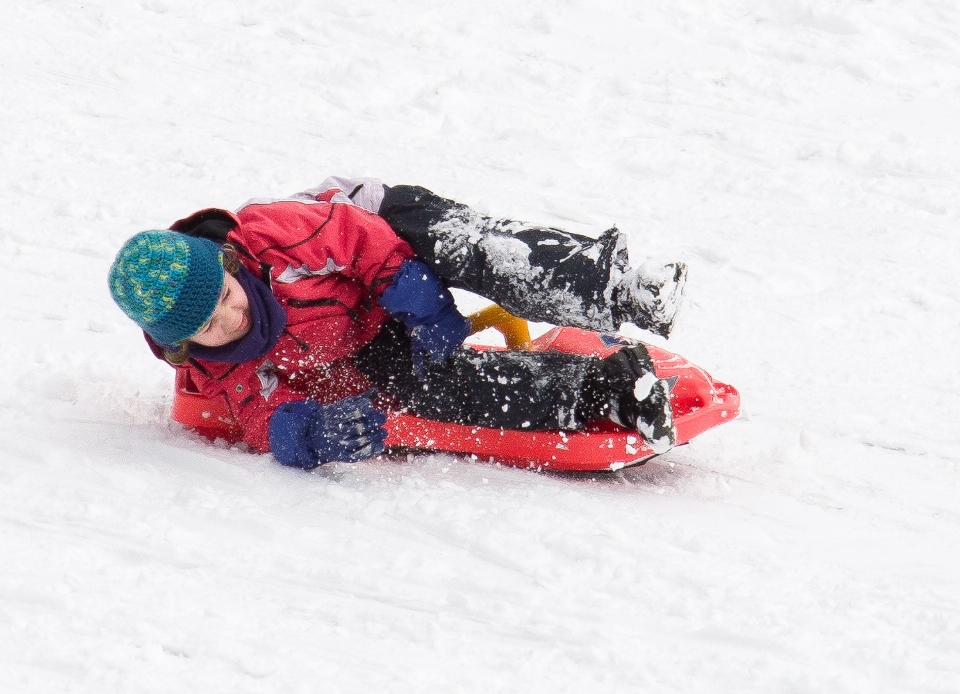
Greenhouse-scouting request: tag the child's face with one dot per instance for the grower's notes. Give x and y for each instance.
(231, 318)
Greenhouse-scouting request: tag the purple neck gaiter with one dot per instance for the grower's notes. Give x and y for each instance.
(267, 321)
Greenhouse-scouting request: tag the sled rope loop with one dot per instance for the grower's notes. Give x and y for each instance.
(515, 331)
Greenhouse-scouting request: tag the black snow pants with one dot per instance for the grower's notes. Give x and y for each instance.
(536, 273)
(498, 389)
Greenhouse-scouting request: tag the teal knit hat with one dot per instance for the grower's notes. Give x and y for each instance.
(168, 283)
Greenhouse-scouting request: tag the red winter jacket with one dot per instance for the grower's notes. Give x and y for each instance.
(327, 262)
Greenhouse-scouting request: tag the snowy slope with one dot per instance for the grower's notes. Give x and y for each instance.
(802, 156)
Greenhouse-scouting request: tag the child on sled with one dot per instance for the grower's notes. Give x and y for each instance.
(296, 309)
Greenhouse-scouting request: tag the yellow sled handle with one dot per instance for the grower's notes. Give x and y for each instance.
(515, 331)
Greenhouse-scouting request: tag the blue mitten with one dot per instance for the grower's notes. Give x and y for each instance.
(437, 340)
(418, 299)
(306, 434)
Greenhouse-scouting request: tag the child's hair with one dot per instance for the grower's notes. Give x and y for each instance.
(180, 353)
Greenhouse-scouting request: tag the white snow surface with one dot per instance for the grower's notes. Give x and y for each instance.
(802, 156)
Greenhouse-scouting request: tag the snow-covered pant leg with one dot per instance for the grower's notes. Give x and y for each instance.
(499, 389)
(537, 273)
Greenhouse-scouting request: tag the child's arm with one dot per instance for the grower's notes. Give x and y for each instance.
(299, 240)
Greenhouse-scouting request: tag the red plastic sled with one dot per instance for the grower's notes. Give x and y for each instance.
(699, 403)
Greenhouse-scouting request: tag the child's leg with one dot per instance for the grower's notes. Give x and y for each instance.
(524, 390)
(537, 273)
(499, 389)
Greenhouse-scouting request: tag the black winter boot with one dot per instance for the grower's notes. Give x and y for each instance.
(649, 296)
(634, 397)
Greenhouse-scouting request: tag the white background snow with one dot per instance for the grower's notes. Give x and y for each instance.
(801, 156)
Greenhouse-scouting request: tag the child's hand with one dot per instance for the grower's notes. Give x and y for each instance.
(306, 434)
(417, 298)
(436, 341)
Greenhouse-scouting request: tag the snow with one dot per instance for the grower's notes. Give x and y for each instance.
(801, 156)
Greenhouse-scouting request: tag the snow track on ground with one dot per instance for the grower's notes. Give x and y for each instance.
(802, 157)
